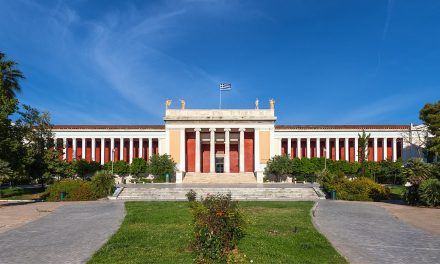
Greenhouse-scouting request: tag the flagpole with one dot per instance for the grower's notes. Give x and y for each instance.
(220, 102)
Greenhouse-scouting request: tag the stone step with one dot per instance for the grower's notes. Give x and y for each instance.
(247, 177)
(275, 194)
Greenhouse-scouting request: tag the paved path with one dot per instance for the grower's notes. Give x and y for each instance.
(71, 234)
(366, 233)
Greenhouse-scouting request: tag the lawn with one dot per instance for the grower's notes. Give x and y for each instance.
(396, 192)
(160, 232)
(18, 193)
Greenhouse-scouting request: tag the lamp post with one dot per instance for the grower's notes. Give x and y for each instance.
(325, 159)
(113, 158)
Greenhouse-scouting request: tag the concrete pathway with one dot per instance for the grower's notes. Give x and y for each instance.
(366, 233)
(70, 234)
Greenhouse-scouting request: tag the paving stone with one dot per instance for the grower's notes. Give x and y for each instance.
(71, 234)
(366, 233)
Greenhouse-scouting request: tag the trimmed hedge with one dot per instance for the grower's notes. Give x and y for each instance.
(76, 190)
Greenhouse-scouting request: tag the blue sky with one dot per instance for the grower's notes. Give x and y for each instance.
(324, 62)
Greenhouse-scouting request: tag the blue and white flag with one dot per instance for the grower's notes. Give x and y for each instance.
(225, 87)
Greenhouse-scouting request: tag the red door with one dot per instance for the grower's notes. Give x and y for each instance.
(249, 151)
(205, 158)
(233, 156)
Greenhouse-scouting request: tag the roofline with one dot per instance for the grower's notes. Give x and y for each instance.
(109, 127)
(328, 127)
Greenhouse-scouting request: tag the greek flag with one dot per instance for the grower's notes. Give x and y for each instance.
(225, 87)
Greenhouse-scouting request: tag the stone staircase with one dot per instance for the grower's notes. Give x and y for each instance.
(222, 178)
(177, 193)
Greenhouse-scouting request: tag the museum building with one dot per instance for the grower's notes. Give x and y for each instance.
(203, 141)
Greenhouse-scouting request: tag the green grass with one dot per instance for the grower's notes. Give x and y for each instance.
(396, 192)
(160, 232)
(18, 193)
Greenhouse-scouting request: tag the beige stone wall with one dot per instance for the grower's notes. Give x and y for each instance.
(264, 146)
(175, 144)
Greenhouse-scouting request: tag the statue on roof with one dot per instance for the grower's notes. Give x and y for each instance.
(272, 103)
(168, 103)
(257, 104)
(182, 104)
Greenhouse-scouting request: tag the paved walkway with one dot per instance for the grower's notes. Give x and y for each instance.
(366, 233)
(70, 234)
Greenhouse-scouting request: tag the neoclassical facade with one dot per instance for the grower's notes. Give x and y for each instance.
(229, 140)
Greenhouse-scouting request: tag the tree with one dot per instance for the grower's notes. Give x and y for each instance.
(6, 174)
(279, 167)
(363, 150)
(38, 139)
(430, 115)
(9, 77)
(138, 166)
(120, 168)
(416, 171)
(160, 165)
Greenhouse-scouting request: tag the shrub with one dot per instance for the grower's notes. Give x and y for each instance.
(102, 184)
(191, 195)
(278, 168)
(120, 167)
(82, 168)
(161, 165)
(429, 192)
(218, 227)
(138, 166)
(76, 190)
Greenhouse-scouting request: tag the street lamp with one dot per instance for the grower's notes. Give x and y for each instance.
(113, 158)
(325, 159)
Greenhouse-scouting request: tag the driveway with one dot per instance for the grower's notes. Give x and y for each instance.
(366, 233)
(70, 234)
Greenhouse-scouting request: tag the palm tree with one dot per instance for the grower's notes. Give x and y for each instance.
(9, 77)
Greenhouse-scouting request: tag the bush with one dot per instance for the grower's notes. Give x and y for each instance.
(161, 165)
(429, 192)
(120, 167)
(102, 184)
(139, 166)
(82, 168)
(76, 190)
(218, 227)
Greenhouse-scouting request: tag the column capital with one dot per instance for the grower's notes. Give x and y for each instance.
(242, 129)
(227, 129)
(197, 129)
(212, 130)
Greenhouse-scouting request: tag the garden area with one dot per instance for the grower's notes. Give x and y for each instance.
(166, 232)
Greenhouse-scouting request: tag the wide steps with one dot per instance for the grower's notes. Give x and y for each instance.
(237, 193)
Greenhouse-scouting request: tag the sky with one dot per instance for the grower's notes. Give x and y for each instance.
(324, 62)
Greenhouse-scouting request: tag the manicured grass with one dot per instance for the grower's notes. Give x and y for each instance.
(160, 232)
(396, 192)
(18, 193)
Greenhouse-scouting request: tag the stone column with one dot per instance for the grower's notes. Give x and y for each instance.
(227, 161)
(130, 155)
(337, 148)
(83, 150)
(64, 148)
(212, 150)
(347, 148)
(318, 147)
(102, 151)
(298, 148)
(308, 148)
(150, 148)
(385, 148)
(73, 148)
(356, 149)
(94, 149)
(197, 159)
(112, 149)
(241, 151)
(289, 147)
(394, 149)
(141, 148)
(327, 148)
(121, 149)
(375, 149)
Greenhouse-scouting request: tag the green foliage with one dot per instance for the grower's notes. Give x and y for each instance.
(429, 192)
(363, 150)
(9, 77)
(218, 228)
(84, 168)
(120, 167)
(430, 115)
(161, 165)
(359, 189)
(76, 190)
(191, 195)
(102, 184)
(139, 167)
(6, 173)
(416, 171)
(278, 168)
